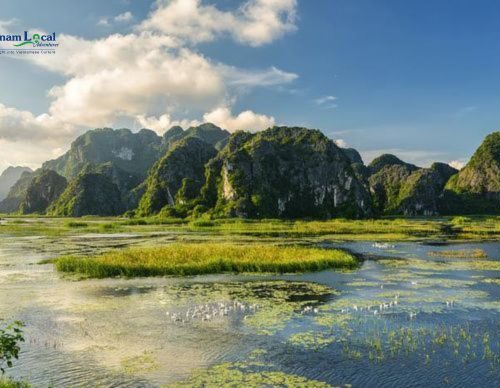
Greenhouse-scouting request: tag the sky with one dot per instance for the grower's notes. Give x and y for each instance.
(417, 79)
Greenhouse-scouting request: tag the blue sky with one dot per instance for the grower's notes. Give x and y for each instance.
(418, 79)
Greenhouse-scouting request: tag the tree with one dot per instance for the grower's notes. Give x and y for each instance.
(10, 337)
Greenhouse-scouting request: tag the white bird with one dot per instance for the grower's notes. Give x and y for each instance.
(355, 308)
(375, 312)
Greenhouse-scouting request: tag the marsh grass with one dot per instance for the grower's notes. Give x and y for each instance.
(460, 254)
(76, 224)
(194, 259)
(8, 383)
(386, 229)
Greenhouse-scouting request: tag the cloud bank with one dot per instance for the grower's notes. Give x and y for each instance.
(150, 76)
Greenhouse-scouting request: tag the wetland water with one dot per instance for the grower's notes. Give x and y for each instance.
(407, 317)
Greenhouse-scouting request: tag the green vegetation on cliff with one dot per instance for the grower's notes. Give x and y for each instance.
(90, 193)
(284, 172)
(43, 189)
(421, 193)
(207, 132)
(388, 174)
(132, 152)
(476, 188)
(177, 177)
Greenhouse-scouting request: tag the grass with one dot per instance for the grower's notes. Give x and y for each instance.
(8, 383)
(460, 254)
(194, 259)
(385, 229)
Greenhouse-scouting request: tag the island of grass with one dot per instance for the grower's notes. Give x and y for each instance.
(196, 259)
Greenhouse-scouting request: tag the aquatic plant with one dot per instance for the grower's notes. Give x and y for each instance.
(247, 374)
(9, 383)
(460, 254)
(192, 259)
(144, 362)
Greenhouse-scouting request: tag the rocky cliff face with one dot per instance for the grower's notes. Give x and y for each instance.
(476, 188)
(9, 177)
(178, 176)
(43, 189)
(89, 193)
(284, 172)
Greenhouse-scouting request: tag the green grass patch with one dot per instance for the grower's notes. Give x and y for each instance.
(8, 383)
(76, 224)
(461, 254)
(195, 259)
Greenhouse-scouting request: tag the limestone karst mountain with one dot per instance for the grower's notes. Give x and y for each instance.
(178, 176)
(284, 172)
(476, 188)
(43, 189)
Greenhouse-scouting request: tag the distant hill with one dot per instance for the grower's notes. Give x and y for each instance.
(10, 176)
(17, 192)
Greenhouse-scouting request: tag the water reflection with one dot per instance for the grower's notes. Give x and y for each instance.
(406, 318)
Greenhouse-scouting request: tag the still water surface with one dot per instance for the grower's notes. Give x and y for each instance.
(407, 317)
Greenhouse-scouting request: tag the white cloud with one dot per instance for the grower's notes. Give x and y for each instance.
(156, 80)
(465, 111)
(121, 18)
(256, 22)
(164, 122)
(246, 78)
(17, 125)
(325, 99)
(141, 74)
(103, 22)
(149, 76)
(458, 164)
(6, 25)
(341, 143)
(246, 121)
(30, 140)
(326, 102)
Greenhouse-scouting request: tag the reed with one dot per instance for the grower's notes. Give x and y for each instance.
(194, 259)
